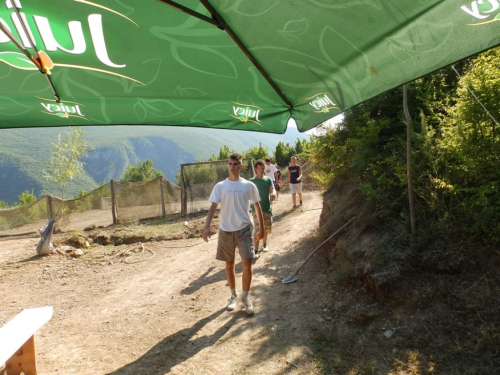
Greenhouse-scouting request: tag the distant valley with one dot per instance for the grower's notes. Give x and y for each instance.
(25, 152)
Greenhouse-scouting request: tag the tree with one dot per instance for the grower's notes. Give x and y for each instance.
(299, 147)
(224, 153)
(283, 153)
(256, 153)
(82, 193)
(470, 149)
(27, 197)
(65, 161)
(142, 171)
(3, 205)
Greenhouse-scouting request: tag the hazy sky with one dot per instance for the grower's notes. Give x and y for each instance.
(330, 122)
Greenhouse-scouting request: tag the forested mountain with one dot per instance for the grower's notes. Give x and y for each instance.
(25, 152)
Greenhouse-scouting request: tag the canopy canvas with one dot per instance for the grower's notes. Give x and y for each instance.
(231, 64)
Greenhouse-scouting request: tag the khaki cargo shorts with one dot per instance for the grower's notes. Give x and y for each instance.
(229, 241)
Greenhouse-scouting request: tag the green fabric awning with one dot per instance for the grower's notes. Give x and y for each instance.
(231, 64)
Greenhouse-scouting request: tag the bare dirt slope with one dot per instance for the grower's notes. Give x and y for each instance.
(163, 311)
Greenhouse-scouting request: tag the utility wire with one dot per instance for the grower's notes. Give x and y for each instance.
(475, 97)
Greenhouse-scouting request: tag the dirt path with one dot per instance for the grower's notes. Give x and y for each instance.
(166, 315)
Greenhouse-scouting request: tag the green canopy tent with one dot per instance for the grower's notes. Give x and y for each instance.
(231, 64)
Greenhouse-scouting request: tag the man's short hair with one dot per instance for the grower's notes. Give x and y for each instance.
(258, 162)
(268, 160)
(235, 156)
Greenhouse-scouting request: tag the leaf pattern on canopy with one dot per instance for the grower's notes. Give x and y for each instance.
(294, 29)
(11, 107)
(156, 107)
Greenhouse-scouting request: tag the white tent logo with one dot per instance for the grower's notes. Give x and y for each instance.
(483, 10)
(246, 113)
(63, 109)
(322, 103)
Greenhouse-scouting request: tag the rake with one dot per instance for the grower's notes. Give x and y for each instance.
(293, 276)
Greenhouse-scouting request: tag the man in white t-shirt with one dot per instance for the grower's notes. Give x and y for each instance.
(235, 195)
(270, 171)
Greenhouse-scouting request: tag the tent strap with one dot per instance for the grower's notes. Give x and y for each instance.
(218, 21)
(35, 60)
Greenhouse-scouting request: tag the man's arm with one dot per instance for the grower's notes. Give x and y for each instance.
(272, 191)
(276, 176)
(300, 174)
(258, 210)
(210, 216)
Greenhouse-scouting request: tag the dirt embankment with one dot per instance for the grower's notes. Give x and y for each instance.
(403, 313)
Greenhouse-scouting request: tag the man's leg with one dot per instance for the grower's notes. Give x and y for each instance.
(299, 191)
(256, 242)
(256, 245)
(264, 242)
(268, 222)
(245, 246)
(246, 281)
(230, 276)
(247, 274)
(294, 199)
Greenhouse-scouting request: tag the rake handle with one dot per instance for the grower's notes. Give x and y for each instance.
(322, 243)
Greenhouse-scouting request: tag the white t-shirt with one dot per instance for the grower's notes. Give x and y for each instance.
(269, 171)
(235, 198)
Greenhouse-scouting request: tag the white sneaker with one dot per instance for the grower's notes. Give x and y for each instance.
(265, 248)
(231, 304)
(248, 306)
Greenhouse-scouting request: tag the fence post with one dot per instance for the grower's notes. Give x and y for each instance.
(113, 203)
(49, 205)
(162, 195)
(183, 192)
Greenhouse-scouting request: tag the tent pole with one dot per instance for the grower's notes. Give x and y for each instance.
(223, 25)
(191, 12)
(218, 20)
(411, 199)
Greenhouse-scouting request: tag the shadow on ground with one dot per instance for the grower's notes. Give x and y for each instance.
(176, 348)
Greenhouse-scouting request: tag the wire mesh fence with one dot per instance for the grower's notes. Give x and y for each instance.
(119, 203)
(145, 199)
(113, 203)
(25, 218)
(198, 180)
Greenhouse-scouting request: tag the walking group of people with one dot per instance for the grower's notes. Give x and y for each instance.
(238, 197)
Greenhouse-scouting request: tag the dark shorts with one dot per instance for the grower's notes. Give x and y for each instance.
(228, 241)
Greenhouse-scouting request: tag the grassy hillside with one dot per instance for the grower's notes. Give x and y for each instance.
(24, 153)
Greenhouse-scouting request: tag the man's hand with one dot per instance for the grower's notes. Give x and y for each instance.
(206, 234)
(273, 196)
(259, 235)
